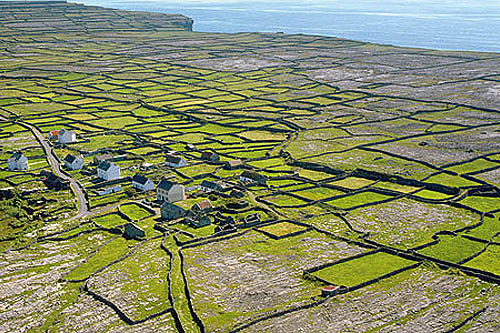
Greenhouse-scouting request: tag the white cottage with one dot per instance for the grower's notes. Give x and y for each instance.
(73, 162)
(66, 136)
(17, 161)
(169, 191)
(174, 161)
(108, 171)
(142, 183)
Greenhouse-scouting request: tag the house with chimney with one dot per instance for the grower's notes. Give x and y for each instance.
(108, 171)
(169, 191)
(66, 136)
(72, 162)
(17, 161)
(142, 183)
(174, 161)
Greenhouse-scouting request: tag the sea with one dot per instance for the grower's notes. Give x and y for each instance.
(472, 25)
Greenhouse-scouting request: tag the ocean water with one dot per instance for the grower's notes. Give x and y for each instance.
(440, 24)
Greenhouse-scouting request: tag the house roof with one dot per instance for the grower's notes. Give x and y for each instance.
(172, 159)
(210, 185)
(54, 133)
(103, 157)
(69, 158)
(253, 175)
(16, 156)
(234, 162)
(105, 166)
(170, 206)
(206, 155)
(140, 179)
(165, 185)
(202, 205)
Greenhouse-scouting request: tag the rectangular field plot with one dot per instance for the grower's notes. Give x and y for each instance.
(449, 180)
(356, 200)
(483, 204)
(285, 200)
(352, 183)
(283, 229)
(353, 272)
(318, 193)
(452, 249)
(396, 187)
(488, 261)
(238, 279)
(474, 166)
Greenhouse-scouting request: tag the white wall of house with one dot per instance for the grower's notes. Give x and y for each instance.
(144, 187)
(76, 165)
(112, 173)
(175, 194)
(19, 164)
(67, 136)
(181, 163)
(245, 179)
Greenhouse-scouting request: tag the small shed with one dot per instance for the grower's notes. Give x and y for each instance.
(170, 211)
(233, 164)
(133, 231)
(202, 207)
(248, 176)
(210, 186)
(210, 156)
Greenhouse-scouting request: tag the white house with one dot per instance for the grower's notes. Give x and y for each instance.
(142, 183)
(17, 161)
(108, 171)
(174, 161)
(73, 162)
(66, 136)
(169, 191)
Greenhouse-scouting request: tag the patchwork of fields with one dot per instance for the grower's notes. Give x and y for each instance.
(382, 170)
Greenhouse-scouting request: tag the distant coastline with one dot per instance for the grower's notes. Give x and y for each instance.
(441, 26)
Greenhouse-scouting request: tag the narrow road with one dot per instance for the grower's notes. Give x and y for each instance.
(83, 205)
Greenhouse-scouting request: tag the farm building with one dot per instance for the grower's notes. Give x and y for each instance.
(233, 164)
(52, 181)
(209, 186)
(108, 190)
(210, 156)
(174, 161)
(17, 161)
(108, 171)
(170, 212)
(253, 177)
(252, 219)
(133, 231)
(142, 183)
(66, 136)
(202, 207)
(198, 221)
(73, 162)
(101, 158)
(169, 191)
(54, 135)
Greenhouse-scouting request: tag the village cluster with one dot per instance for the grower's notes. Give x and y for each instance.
(167, 192)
